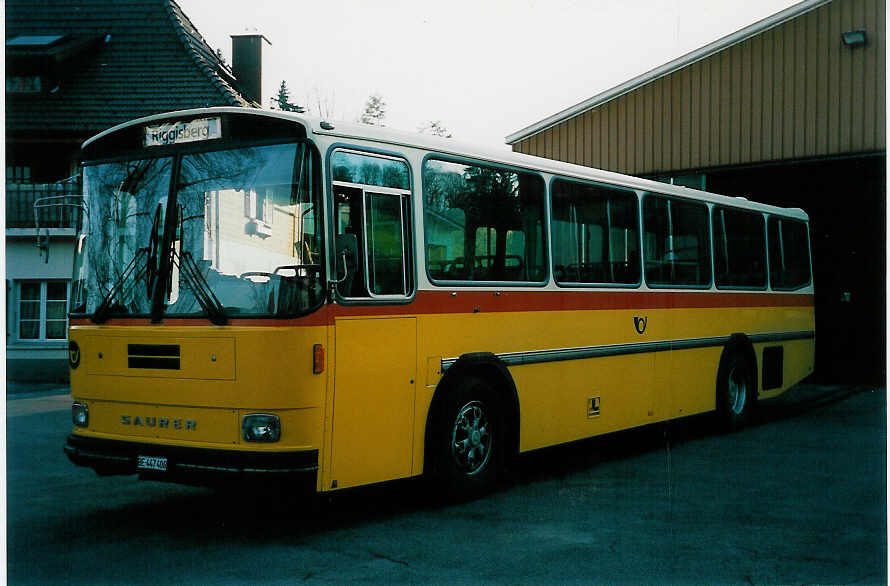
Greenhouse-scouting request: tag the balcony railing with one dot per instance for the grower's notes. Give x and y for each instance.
(20, 198)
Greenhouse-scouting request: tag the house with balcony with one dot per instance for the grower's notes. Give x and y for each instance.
(73, 69)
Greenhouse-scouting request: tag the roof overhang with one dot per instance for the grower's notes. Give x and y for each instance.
(666, 69)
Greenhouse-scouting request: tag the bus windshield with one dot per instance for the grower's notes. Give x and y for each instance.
(237, 233)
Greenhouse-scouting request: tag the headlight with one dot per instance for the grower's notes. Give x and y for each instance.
(80, 414)
(261, 427)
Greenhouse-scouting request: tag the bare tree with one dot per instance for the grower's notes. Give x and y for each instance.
(322, 104)
(435, 128)
(374, 111)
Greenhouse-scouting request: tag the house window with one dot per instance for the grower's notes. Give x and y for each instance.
(259, 205)
(23, 84)
(42, 310)
(18, 174)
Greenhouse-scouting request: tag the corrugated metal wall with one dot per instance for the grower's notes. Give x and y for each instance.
(791, 92)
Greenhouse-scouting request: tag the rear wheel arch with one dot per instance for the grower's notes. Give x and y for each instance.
(741, 344)
(490, 369)
(736, 385)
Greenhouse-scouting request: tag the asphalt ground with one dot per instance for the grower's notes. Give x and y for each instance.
(798, 497)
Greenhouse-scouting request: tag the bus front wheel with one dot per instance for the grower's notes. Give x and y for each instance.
(468, 442)
(736, 391)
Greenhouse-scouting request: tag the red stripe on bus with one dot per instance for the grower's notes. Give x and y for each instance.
(438, 302)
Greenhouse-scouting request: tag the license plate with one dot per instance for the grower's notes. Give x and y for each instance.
(151, 463)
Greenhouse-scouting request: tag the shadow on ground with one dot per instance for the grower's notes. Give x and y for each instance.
(290, 514)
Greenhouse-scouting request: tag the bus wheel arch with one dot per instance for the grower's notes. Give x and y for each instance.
(736, 382)
(471, 376)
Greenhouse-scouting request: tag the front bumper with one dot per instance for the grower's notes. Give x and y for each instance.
(189, 465)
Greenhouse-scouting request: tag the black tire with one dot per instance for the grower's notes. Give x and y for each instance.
(466, 445)
(736, 391)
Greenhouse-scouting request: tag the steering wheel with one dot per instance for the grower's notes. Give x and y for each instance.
(246, 276)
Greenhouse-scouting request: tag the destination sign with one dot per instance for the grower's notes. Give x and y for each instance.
(181, 132)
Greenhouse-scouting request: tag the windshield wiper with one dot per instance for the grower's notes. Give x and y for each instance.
(101, 314)
(203, 292)
(153, 245)
(189, 269)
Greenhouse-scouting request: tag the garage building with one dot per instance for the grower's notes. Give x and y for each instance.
(789, 111)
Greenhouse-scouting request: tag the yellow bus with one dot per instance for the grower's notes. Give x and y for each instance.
(260, 294)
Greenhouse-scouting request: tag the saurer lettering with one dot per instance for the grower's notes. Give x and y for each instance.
(162, 422)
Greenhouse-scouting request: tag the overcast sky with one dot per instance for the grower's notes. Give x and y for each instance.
(485, 69)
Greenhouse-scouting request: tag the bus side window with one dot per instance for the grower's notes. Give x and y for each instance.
(483, 224)
(789, 253)
(595, 234)
(372, 196)
(676, 234)
(739, 248)
(386, 246)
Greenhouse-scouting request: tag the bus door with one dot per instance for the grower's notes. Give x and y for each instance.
(373, 421)
(376, 352)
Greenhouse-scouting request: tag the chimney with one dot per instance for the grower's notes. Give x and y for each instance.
(247, 65)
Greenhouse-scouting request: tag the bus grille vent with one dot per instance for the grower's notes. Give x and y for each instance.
(163, 356)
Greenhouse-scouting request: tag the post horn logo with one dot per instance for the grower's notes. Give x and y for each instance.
(640, 323)
(73, 354)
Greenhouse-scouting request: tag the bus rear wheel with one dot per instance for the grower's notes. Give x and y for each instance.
(736, 391)
(467, 445)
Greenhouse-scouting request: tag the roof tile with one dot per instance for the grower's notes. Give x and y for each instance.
(153, 59)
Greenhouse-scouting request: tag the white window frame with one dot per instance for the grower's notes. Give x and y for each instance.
(258, 207)
(41, 339)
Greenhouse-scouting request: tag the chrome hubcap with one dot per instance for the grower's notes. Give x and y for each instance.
(738, 390)
(470, 438)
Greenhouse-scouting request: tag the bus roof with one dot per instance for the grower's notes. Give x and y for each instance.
(448, 146)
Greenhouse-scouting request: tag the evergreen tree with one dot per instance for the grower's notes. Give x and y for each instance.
(282, 102)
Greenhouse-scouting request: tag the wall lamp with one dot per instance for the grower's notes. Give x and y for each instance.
(854, 38)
